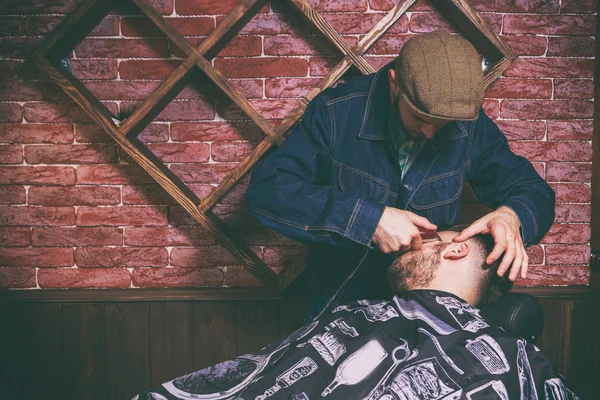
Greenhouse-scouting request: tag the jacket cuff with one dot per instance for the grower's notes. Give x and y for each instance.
(529, 227)
(364, 221)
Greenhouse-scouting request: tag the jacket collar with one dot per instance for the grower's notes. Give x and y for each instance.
(374, 123)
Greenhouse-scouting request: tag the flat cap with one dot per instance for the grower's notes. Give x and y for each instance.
(441, 77)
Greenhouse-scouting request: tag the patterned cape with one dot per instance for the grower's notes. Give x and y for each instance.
(423, 344)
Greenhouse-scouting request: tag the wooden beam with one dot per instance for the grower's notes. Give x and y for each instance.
(153, 103)
(92, 106)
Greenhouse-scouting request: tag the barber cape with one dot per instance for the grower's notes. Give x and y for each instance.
(423, 344)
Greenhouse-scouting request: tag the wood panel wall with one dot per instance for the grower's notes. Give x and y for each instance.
(111, 348)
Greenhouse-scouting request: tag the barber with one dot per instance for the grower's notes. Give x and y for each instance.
(378, 158)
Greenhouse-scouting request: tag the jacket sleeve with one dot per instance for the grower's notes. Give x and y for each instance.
(501, 178)
(290, 189)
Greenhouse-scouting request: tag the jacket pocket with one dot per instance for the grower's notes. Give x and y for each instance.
(353, 182)
(439, 198)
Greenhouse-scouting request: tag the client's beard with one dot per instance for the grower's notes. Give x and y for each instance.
(414, 270)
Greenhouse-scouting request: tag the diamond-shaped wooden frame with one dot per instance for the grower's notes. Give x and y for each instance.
(78, 25)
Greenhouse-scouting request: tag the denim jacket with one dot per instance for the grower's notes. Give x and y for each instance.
(329, 183)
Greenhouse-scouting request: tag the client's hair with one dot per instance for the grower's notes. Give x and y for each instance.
(489, 285)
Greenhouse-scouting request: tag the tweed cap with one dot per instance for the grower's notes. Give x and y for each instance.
(440, 76)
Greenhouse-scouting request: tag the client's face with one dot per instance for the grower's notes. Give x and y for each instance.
(417, 268)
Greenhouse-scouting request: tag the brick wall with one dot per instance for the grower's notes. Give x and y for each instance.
(77, 212)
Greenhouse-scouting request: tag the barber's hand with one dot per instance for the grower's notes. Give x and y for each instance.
(503, 224)
(399, 230)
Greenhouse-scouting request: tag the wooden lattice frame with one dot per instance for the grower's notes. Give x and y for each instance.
(79, 24)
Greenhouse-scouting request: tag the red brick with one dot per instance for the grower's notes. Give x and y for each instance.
(121, 90)
(9, 70)
(320, 66)
(289, 87)
(36, 257)
(527, 45)
(76, 236)
(571, 46)
(119, 174)
(386, 5)
(84, 278)
(570, 25)
(491, 108)
(573, 89)
(36, 133)
(578, 6)
(240, 277)
(187, 110)
(569, 172)
(147, 69)
(237, 194)
(203, 173)
(361, 23)
(231, 152)
(181, 153)
(570, 130)
(19, 48)
(565, 255)
(572, 192)
(242, 46)
(281, 257)
(378, 62)
(202, 257)
(184, 236)
(201, 89)
(91, 133)
(573, 213)
(269, 109)
(144, 27)
(540, 168)
(520, 89)
(536, 255)
(214, 131)
(18, 7)
(94, 69)
(546, 109)
(558, 275)
(273, 24)
(57, 112)
(42, 25)
(234, 215)
(122, 48)
(12, 194)
(11, 154)
(164, 7)
(15, 237)
(261, 67)
(208, 7)
(28, 175)
(118, 216)
(552, 68)
(301, 45)
(10, 112)
(553, 151)
(389, 44)
(36, 216)
(559, 233)
(74, 196)
(177, 277)
(17, 278)
(70, 154)
(522, 130)
(121, 257)
(12, 26)
(31, 90)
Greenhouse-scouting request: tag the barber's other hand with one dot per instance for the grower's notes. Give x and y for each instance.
(503, 224)
(399, 230)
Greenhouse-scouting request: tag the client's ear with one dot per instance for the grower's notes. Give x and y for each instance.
(456, 251)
